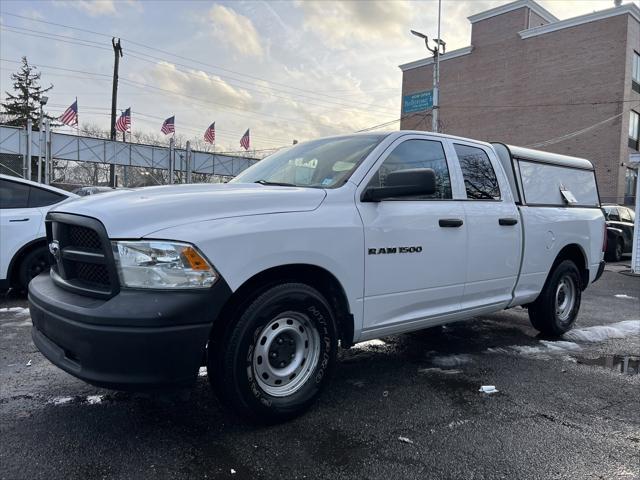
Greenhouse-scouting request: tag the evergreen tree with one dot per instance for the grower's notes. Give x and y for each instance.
(24, 103)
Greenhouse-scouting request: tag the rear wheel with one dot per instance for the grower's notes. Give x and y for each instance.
(556, 308)
(278, 354)
(33, 264)
(619, 249)
(615, 250)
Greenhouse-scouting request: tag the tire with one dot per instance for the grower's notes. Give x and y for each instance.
(556, 308)
(277, 355)
(618, 250)
(614, 252)
(33, 264)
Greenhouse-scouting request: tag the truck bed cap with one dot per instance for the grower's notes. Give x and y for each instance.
(548, 157)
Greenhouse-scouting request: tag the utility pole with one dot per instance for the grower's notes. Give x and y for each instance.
(435, 124)
(435, 116)
(117, 51)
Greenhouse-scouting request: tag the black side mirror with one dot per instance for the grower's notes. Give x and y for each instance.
(403, 183)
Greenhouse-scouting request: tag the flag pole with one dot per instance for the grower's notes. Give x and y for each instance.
(77, 118)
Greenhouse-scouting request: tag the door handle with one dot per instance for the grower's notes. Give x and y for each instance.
(508, 221)
(19, 220)
(450, 222)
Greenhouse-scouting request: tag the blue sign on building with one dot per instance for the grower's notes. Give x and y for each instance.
(416, 102)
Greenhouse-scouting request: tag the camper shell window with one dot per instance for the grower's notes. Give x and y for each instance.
(547, 179)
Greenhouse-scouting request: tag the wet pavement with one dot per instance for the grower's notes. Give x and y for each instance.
(402, 407)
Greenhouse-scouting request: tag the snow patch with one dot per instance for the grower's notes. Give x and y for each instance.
(488, 389)
(15, 310)
(439, 370)
(61, 400)
(94, 399)
(369, 343)
(543, 348)
(458, 423)
(601, 333)
(406, 440)
(24, 323)
(623, 295)
(451, 360)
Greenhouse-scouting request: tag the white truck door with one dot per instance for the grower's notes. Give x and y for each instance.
(415, 247)
(494, 230)
(19, 224)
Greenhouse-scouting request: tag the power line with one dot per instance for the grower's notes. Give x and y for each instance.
(136, 84)
(577, 132)
(164, 52)
(141, 55)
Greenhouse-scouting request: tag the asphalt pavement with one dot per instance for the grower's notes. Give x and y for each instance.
(403, 407)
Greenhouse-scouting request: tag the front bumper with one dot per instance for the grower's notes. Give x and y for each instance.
(136, 340)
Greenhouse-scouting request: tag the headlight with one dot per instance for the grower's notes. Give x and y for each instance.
(159, 264)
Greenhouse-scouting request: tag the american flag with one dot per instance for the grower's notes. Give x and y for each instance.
(124, 122)
(244, 141)
(210, 134)
(70, 115)
(169, 125)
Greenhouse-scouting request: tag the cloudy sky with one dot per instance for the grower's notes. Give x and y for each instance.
(286, 70)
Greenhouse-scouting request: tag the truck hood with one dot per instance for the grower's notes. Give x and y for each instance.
(140, 212)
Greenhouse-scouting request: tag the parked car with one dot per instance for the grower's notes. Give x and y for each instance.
(620, 221)
(23, 247)
(330, 242)
(91, 190)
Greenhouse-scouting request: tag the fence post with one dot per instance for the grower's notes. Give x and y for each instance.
(189, 162)
(171, 160)
(40, 149)
(48, 157)
(27, 174)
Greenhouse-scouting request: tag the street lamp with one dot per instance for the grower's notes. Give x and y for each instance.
(436, 69)
(43, 101)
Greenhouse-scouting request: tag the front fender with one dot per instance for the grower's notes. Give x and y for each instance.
(242, 247)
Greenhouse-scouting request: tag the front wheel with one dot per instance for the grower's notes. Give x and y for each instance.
(556, 308)
(278, 354)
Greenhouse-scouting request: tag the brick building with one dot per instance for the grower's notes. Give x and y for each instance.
(531, 79)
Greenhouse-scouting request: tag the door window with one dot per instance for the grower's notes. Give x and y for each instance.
(42, 198)
(417, 154)
(480, 179)
(13, 194)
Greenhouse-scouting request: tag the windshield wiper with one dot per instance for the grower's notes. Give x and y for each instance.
(279, 184)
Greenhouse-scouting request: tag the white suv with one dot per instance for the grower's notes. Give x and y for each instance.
(23, 245)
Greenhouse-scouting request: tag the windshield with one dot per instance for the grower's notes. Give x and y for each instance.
(323, 163)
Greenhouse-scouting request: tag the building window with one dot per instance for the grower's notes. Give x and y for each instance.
(634, 129)
(635, 77)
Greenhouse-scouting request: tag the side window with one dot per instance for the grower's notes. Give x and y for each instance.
(480, 179)
(624, 215)
(613, 215)
(42, 198)
(417, 154)
(13, 194)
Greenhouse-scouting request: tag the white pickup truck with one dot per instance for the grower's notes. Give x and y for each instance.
(330, 242)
